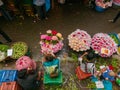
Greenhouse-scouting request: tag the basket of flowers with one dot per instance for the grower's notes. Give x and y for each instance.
(52, 41)
(79, 40)
(116, 2)
(103, 44)
(101, 5)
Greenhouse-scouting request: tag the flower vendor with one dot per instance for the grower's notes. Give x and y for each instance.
(87, 62)
(29, 79)
(51, 65)
(107, 74)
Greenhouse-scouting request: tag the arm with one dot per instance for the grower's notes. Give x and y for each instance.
(39, 75)
(80, 58)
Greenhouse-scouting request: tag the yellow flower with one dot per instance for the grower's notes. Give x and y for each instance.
(59, 35)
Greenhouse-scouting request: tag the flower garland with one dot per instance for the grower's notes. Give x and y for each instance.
(51, 41)
(103, 44)
(79, 40)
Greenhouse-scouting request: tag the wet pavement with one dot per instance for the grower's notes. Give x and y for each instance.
(63, 18)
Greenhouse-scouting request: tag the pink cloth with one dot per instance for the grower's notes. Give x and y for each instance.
(24, 62)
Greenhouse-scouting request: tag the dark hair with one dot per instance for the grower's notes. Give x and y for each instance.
(22, 73)
(90, 56)
(49, 57)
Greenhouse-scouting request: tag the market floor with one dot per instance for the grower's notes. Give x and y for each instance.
(63, 18)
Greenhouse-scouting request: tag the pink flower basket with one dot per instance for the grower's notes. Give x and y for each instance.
(24, 62)
(52, 41)
(103, 44)
(79, 40)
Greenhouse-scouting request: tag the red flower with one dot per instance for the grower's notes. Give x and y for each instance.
(74, 35)
(111, 67)
(54, 32)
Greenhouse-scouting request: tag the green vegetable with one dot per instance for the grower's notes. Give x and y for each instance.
(4, 48)
(115, 38)
(19, 49)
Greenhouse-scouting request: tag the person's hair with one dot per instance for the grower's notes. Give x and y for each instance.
(22, 73)
(49, 57)
(90, 56)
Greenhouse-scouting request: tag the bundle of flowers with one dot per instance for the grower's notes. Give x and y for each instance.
(79, 40)
(104, 3)
(52, 41)
(103, 44)
(116, 2)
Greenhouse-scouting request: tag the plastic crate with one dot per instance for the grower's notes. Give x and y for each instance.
(10, 86)
(53, 81)
(115, 38)
(2, 72)
(9, 76)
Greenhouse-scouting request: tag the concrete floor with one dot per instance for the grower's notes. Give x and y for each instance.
(63, 18)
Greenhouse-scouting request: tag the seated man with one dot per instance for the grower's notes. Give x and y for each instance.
(51, 65)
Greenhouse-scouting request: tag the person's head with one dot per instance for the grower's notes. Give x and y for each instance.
(49, 57)
(22, 73)
(90, 56)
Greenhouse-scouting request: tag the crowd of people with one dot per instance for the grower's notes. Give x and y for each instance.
(38, 9)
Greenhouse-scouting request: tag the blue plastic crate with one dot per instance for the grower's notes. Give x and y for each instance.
(2, 72)
(9, 76)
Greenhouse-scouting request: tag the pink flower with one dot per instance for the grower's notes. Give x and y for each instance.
(48, 38)
(54, 38)
(43, 36)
